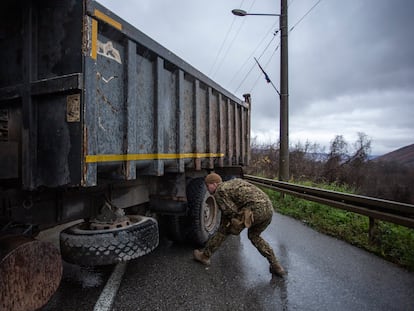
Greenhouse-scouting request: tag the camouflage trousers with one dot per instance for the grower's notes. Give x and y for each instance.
(262, 213)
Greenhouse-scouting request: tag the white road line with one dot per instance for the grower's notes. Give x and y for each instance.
(106, 299)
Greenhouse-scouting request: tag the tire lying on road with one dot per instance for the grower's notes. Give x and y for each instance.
(82, 246)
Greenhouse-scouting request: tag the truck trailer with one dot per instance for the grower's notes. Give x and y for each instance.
(106, 133)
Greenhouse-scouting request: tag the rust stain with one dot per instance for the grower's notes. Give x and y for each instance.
(31, 272)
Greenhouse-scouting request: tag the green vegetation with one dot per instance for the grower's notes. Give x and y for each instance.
(346, 168)
(392, 242)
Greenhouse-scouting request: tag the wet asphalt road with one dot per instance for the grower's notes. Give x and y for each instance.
(323, 274)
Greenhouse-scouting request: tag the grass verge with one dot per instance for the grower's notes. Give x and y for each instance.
(392, 242)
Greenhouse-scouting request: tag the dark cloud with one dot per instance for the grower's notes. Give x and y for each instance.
(351, 63)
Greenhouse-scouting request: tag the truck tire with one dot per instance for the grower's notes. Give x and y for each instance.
(204, 214)
(81, 246)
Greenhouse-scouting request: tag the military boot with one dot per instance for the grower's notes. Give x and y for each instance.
(201, 257)
(277, 269)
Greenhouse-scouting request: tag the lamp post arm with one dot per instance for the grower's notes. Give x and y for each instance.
(261, 14)
(238, 12)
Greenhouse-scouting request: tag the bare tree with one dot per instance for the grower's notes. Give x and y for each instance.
(337, 155)
(309, 162)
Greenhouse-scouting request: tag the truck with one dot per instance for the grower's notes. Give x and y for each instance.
(106, 134)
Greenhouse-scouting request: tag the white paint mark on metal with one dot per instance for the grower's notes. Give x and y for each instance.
(108, 50)
(107, 80)
(107, 297)
(100, 76)
(100, 124)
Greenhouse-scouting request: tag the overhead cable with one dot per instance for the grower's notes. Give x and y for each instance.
(251, 69)
(297, 23)
(268, 80)
(224, 41)
(306, 14)
(265, 66)
(253, 53)
(231, 43)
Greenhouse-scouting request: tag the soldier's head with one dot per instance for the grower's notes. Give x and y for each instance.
(212, 180)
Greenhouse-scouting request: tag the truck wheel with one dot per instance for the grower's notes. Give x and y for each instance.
(204, 214)
(82, 246)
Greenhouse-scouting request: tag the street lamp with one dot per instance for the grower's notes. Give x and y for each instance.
(238, 12)
(284, 88)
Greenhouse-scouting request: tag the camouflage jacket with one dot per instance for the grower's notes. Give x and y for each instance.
(234, 195)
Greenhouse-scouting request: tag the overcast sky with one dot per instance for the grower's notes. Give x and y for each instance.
(351, 62)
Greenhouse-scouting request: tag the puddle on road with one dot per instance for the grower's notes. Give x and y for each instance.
(270, 292)
(256, 266)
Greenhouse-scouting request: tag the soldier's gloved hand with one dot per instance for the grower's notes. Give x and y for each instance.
(236, 226)
(247, 217)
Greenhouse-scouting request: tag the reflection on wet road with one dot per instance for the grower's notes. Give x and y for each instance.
(323, 274)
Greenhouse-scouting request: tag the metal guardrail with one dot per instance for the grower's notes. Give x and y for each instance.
(395, 212)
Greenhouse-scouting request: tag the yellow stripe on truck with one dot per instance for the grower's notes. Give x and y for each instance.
(94, 39)
(105, 18)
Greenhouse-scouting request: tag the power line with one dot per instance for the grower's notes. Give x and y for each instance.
(252, 54)
(228, 48)
(306, 14)
(297, 23)
(224, 41)
(268, 80)
(265, 49)
(222, 45)
(267, 63)
(233, 40)
(244, 79)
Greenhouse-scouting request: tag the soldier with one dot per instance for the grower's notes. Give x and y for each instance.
(242, 205)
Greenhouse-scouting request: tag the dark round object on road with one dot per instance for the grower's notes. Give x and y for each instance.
(82, 246)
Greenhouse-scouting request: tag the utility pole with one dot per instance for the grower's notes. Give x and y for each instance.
(284, 88)
(284, 95)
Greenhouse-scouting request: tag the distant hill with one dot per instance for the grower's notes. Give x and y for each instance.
(404, 155)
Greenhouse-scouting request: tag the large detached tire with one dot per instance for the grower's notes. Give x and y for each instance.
(204, 214)
(82, 246)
